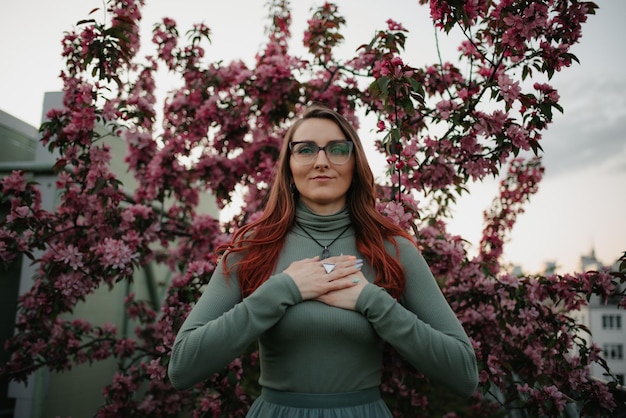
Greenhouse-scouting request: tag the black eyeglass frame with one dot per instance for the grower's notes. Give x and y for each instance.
(330, 143)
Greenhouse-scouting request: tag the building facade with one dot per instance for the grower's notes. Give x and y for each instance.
(606, 323)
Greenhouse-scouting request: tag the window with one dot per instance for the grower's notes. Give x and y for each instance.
(613, 351)
(611, 322)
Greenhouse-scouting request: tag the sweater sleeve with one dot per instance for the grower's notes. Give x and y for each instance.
(221, 325)
(423, 329)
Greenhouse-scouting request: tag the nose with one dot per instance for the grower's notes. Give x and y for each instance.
(321, 159)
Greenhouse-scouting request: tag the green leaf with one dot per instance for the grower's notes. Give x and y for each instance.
(383, 84)
(85, 21)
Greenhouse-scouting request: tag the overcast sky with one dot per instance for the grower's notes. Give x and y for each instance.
(582, 200)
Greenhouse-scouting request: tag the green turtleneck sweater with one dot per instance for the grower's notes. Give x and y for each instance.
(307, 346)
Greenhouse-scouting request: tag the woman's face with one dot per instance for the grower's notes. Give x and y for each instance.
(323, 186)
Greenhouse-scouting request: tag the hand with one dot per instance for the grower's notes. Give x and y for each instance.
(313, 281)
(346, 297)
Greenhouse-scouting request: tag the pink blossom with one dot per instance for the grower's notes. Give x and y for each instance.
(115, 253)
(535, 355)
(550, 94)
(71, 287)
(556, 397)
(395, 26)
(518, 136)
(125, 347)
(69, 255)
(156, 370)
(14, 183)
(396, 212)
(17, 212)
(510, 89)
(445, 107)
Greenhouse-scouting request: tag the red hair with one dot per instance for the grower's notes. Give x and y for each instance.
(263, 239)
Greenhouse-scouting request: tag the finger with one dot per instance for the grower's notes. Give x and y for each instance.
(312, 260)
(358, 263)
(344, 282)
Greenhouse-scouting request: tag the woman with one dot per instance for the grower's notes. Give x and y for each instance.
(322, 280)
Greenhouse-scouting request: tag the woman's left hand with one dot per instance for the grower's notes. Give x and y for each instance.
(345, 298)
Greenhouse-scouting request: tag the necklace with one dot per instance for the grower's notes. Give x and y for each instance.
(325, 251)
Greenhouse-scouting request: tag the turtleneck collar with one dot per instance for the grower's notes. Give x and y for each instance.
(321, 223)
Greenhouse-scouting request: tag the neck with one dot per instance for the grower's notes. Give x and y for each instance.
(324, 209)
(325, 248)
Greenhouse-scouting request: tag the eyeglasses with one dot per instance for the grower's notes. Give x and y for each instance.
(337, 152)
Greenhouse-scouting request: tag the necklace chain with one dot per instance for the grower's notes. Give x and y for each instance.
(325, 251)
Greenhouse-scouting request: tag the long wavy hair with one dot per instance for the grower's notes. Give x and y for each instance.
(263, 239)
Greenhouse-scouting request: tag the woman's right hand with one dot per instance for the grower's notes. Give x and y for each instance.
(312, 280)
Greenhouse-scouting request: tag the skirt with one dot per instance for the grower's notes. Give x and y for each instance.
(362, 404)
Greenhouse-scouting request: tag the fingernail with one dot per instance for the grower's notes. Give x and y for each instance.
(356, 280)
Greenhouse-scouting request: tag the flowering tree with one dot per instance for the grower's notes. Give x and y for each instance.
(441, 127)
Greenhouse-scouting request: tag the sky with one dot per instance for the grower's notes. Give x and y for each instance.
(581, 202)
